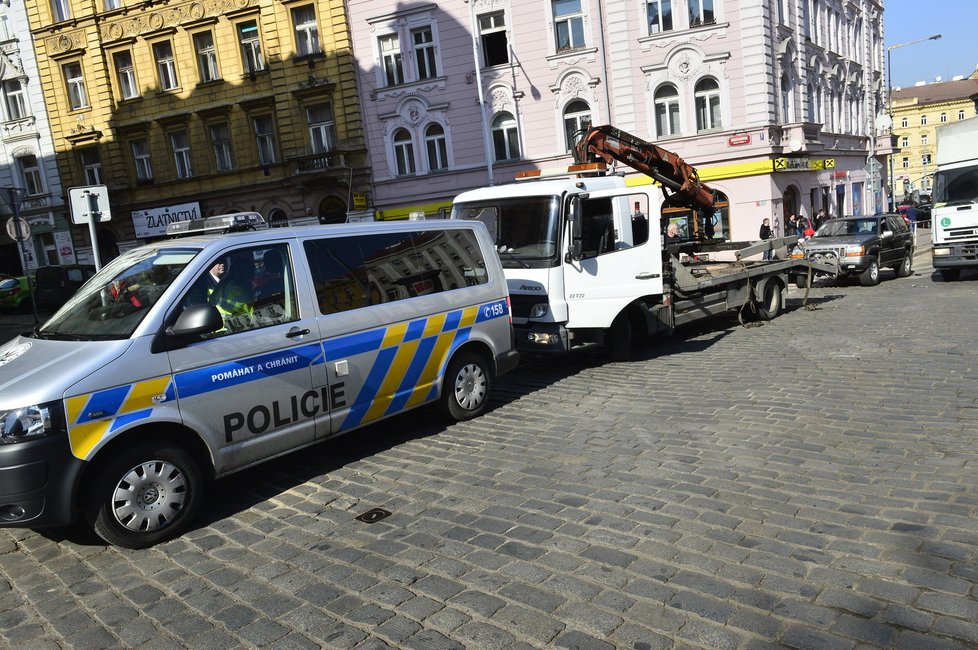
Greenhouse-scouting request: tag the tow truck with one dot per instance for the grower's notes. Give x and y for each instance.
(588, 260)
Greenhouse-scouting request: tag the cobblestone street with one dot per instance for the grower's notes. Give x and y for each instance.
(810, 483)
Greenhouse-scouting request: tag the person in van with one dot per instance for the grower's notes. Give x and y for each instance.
(234, 297)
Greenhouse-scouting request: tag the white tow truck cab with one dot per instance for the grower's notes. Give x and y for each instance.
(954, 215)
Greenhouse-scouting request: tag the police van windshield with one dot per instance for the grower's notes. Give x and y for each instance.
(113, 303)
(525, 229)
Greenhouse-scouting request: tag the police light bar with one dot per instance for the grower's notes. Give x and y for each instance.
(576, 171)
(218, 223)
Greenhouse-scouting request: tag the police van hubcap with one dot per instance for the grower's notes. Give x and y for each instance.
(470, 386)
(149, 496)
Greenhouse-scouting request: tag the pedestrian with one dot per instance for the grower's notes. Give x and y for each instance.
(792, 226)
(819, 218)
(765, 234)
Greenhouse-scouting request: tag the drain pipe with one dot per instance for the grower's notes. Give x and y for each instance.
(486, 141)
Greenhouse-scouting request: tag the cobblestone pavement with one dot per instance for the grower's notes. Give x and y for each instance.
(811, 483)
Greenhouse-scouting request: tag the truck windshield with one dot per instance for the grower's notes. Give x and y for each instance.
(956, 186)
(525, 229)
(113, 303)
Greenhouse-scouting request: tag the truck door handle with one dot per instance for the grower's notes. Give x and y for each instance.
(295, 332)
(646, 276)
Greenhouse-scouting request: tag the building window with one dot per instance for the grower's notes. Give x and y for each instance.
(424, 53)
(75, 82)
(577, 117)
(390, 55)
(206, 57)
(61, 10)
(923, 139)
(403, 153)
(943, 118)
(701, 13)
(306, 30)
(437, 147)
(322, 128)
(180, 144)
(960, 115)
(568, 24)
(30, 173)
(92, 166)
(125, 73)
(707, 94)
(221, 141)
(250, 47)
(659, 13)
(14, 99)
(904, 123)
(265, 140)
(492, 35)
(923, 120)
(667, 111)
(141, 160)
(166, 65)
(787, 114)
(505, 137)
(113, 4)
(906, 162)
(925, 159)
(905, 141)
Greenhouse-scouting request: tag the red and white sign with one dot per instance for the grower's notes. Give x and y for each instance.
(738, 140)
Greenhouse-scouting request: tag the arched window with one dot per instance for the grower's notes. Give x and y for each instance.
(577, 117)
(666, 111)
(436, 146)
(787, 109)
(278, 219)
(403, 153)
(707, 94)
(505, 137)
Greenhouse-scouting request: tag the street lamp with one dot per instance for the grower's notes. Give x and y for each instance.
(889, 105)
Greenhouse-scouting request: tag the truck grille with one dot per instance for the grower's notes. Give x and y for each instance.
(952, 234)
(522, 303)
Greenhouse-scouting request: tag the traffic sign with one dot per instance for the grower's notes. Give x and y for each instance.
(18, 229)
(89, 199)
(873, 166)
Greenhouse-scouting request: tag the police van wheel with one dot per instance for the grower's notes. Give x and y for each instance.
(465, 394)
(145, 495)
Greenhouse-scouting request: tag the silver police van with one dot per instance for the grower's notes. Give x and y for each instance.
(191, 358)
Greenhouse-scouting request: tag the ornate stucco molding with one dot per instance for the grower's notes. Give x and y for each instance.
(169, 16)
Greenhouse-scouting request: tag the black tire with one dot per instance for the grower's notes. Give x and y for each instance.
(950, 275)
(905, 270)
(801, 281)
(771, 304)
(144, 495)
(620, 338)
(465, 393)
(871, 276)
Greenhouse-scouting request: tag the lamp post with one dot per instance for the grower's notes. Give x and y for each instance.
(889, 106)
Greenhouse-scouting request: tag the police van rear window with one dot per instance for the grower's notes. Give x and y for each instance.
(363, 270)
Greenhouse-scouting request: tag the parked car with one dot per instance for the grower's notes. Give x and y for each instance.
(860, 246)
(53, 285)
(15, 293)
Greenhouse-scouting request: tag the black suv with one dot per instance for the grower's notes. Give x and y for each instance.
(53, 285)
(860, 246)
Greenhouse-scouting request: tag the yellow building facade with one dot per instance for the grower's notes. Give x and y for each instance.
(917, 112)
(202, 107)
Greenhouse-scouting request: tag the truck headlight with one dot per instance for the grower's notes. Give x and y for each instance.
(29, 422)
(539, 310)
(942, 251)
(852, 250)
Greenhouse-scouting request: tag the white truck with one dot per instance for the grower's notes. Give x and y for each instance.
(587, 258)
(954, 215)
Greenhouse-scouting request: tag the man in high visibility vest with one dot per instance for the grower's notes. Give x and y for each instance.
(234, 296)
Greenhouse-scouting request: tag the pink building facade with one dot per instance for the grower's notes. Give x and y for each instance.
(773, 101)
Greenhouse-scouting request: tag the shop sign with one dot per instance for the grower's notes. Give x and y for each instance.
(738, 140)
(153, 222)
(359, 201)
(802, 164)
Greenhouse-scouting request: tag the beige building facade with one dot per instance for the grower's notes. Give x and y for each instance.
(195, 108)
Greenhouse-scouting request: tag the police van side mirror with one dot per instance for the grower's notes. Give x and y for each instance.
(196, 320)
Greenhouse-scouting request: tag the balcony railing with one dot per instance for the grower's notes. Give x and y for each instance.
(320, 162)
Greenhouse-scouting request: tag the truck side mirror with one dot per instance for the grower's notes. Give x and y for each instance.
(574, 214)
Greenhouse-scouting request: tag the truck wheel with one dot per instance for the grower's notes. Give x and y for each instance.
(801, 281)
(871, 276)
(771, 304)
(906, 266)
(620, 337)
(465, 393)
(950, 275)
(144, 494)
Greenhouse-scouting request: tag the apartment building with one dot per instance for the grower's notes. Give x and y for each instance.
(186, 109)
(917, 112)
(29, 181)
(772, 100)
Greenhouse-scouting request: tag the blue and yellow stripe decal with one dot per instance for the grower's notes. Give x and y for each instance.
(91, 417)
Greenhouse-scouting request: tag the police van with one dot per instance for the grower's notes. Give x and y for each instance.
(191, 358)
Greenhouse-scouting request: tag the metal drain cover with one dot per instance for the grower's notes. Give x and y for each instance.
(374, 515)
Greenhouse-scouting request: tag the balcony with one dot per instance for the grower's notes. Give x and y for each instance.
(320, 162)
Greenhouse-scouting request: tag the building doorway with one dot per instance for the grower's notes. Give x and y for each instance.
(332, 210)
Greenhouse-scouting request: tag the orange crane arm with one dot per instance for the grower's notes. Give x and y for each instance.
(672, 172)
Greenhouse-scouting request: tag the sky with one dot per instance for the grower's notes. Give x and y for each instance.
(956, 53)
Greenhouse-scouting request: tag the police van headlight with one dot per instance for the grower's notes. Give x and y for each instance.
(29, 422)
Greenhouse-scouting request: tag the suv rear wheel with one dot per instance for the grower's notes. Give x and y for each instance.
(871, 276)
(906, 266)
